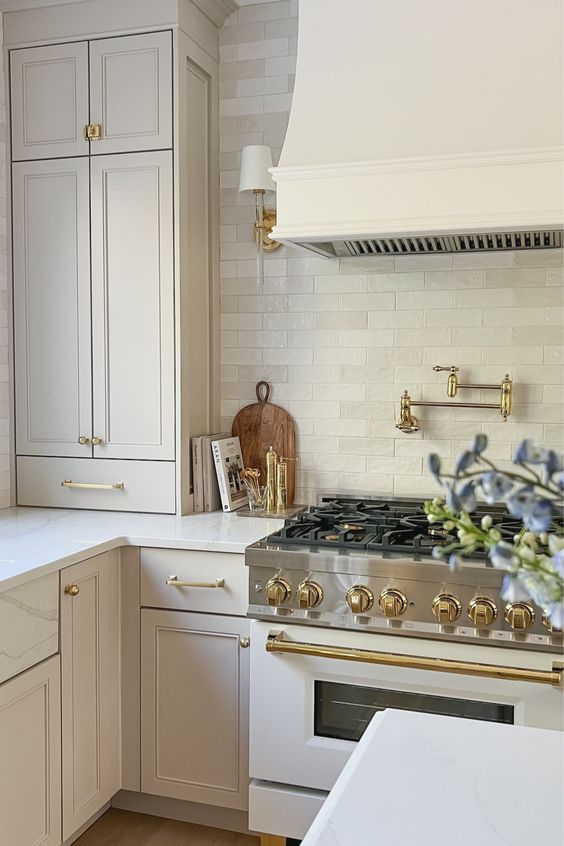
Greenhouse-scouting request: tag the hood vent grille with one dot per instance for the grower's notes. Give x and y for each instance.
(409, 245)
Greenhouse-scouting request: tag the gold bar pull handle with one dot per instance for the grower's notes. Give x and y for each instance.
(175, 582)
(94, 486)
(277, 643)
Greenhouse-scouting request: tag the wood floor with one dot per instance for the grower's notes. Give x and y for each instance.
(122, 828)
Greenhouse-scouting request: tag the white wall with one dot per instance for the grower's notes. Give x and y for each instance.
(340, 341)
(4, 340)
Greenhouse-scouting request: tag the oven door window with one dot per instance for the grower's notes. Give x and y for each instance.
(343, 711)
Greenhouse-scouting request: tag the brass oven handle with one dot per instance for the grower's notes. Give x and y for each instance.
(173, 580)
(277, 643)
(113, 486)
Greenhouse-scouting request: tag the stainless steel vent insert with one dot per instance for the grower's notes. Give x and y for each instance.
(542, 239)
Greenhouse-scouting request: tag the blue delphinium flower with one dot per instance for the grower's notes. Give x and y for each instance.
(557, 562)
(539, 518)
(453, 562)
(495, 486)
(502, 555)
(521, 501)
(464, 461)
(529, 452)
(434, 465)
(513, 589)
(467, 495)
(555, 612)
(452, 499)
(479, 444)
(553, 463)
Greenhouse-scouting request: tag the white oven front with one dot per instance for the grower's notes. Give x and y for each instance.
(308, 709)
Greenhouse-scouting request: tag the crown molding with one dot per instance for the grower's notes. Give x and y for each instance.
(217, 10)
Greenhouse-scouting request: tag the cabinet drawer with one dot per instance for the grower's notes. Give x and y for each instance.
(158, 565)
(29, 624)
(147, 485)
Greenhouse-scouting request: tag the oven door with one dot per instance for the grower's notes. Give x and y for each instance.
(308, 710)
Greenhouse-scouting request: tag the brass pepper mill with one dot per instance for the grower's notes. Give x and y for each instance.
(282, 483)
(271, 476)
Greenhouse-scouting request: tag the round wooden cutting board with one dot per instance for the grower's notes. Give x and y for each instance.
(262, 425)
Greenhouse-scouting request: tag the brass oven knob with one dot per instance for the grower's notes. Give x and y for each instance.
(547, 624)
(310, 594)
(482, 611)
(392, 602)
(519, 615)
(277, 591)
(360, 599)
(446, 608)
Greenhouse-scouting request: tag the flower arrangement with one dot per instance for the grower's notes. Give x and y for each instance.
(534, 494)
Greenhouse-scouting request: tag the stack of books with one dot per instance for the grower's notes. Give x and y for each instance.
(217, 461)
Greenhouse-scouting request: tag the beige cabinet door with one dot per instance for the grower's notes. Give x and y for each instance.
(132, 306)
(30, 760)
(194, 707)
(49, 90)
(131, 92)
(51, 265)
(90, 681)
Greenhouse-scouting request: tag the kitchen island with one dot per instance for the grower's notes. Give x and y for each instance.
(426, 779)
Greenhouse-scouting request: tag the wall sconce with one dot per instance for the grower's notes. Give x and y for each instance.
(256, 159)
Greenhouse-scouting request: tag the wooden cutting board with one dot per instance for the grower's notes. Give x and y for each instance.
(261, 425)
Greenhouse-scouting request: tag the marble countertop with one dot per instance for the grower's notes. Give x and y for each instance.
(34, 541)
(430, 780)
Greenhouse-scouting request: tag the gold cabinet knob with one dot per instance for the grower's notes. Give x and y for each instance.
(277, 591)
(482, 611)
(97, 441)
(519, 615)
(83, 440)
(392, 602)
(446, 608)
(72, 590)
(310, 594)
(244, 642)
(548, 625)
(360, 599)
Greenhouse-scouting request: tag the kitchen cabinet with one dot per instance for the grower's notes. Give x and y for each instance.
(30, 762)
(194, 707)
(90, 686)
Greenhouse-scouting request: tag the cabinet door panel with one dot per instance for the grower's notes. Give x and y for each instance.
(90, 688)
(49, 87)
(51, 263)
(194, 711)
(132, 305)
(30, 761)
(131, 92)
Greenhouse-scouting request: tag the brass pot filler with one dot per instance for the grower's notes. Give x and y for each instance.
(407, 422)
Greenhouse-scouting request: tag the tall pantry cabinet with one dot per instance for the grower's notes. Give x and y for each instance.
(114, 249)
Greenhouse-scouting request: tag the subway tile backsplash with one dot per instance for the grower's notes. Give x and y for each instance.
(340, 340)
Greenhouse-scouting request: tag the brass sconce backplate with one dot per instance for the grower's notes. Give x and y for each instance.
(268, 224)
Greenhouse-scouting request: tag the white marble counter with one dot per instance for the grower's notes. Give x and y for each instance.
(34, 541)
(428, 780)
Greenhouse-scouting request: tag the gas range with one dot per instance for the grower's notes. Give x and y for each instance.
(366, 564)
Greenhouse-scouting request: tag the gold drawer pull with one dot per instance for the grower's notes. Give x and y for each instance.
(173, 580)
(115, 486)
(276, 643)
(72, 590)
(93, 131)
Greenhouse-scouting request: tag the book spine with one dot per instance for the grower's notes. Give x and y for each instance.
(197, 475)
(211, 492)
(223, 490)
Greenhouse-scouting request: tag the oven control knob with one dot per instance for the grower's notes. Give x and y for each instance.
(360, 599)
(310, 594)
(482, 611)
(548, 624)
(446, 608)
(519, 615)
(277, 591)
(392, 602)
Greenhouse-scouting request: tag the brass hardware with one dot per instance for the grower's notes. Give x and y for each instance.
(548, 625)
(93, 131)
(446, 608)
(310, 594)
(83, 440)
(331, 537)
(519, 615)
(408, 423)
(72, 590)
(360, 599)
(271, 462)
(97, 441)
(277, 591)
(266, 227)
(482, 611)
(244, 642)
(392, 602)
(277, 643)
(115, 486)
(174, 580)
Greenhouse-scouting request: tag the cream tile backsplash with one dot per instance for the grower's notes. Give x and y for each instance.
(340, 340)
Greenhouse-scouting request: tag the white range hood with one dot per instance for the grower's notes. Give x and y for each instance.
(430, 126)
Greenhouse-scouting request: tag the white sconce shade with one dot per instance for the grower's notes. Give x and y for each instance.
(254, 176)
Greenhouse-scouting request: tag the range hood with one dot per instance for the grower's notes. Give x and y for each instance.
(424, 127)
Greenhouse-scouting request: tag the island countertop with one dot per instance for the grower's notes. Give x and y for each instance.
(35, 541)
(432, 780)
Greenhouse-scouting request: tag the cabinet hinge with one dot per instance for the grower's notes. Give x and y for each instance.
(93, 131)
